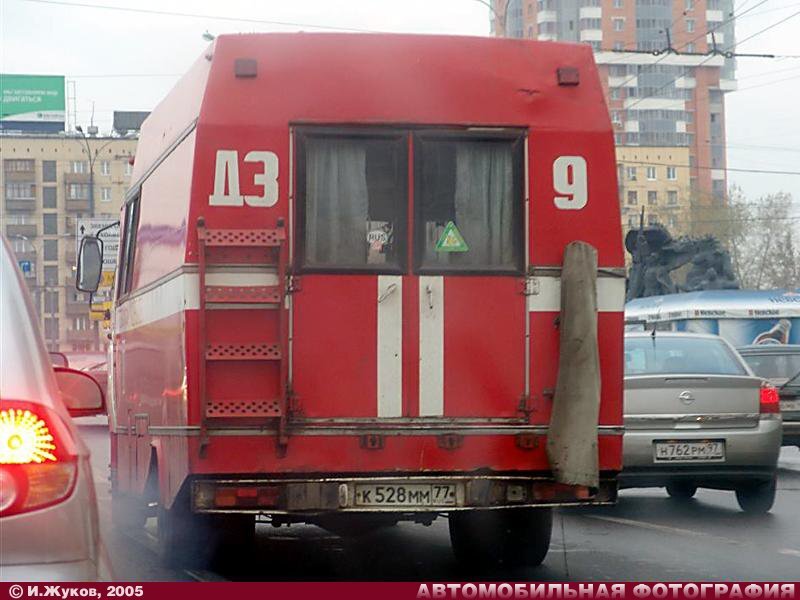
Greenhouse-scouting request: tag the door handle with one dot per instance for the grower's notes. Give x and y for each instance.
(391, 288)
(429, 292)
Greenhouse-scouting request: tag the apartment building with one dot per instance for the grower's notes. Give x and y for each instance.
(49, 183)
(659, 102)
(650, 181)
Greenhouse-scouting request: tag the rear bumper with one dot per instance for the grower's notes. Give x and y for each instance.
(750, 453)
(309, 496)
(721, 478)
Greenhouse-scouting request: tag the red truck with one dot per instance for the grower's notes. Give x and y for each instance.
(341, 294)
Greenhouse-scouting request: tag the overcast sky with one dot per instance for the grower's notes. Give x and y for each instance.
(129, 60)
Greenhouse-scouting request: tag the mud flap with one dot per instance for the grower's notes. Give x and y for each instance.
(572, 438)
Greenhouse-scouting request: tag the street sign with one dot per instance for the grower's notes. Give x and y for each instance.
(107, 279)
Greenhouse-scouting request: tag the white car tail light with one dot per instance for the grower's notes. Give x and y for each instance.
(769, 400)
(37, 458)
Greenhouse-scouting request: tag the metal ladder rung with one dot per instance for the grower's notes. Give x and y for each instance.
(243, 409)
(264, 294)
(243, 352)
(241, 238)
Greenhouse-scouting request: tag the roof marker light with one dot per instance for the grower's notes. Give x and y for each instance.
(569, 76)
(245, 67)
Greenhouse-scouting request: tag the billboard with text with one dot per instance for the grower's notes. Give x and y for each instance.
(32, 103)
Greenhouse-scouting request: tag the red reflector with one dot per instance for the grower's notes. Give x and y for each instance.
(269, 495)
(225, 497)
(769, 400)
(568, 76)
(560, 491)
(250, 496)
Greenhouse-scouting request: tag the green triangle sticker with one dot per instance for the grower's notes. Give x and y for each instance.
(451, 240)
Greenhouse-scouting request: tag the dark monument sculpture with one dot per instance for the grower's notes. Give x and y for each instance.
(656, 254)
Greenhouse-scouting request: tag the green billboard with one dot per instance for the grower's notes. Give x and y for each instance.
(32, 102)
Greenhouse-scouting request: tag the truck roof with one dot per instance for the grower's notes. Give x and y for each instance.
(379, 78)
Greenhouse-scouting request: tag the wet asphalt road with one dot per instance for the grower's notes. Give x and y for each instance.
(647, 536)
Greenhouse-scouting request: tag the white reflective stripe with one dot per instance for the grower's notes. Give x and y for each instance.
(431, 346)
(547, 296)
(389, 298)
(178, 293)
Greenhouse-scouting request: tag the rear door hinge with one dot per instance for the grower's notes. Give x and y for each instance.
(525, 407)
(450, 441)
(371, 441)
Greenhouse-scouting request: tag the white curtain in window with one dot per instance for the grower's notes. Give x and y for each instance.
(336, 202)
(483, 209)
(484, 202)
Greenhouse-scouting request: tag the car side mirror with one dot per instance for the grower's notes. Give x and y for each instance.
(58, 359)
(80, 392)
(90, 264)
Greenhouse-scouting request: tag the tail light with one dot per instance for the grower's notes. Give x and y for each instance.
(37, 458)
(769, 401)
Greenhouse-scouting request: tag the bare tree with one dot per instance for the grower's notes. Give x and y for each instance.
(760, 237)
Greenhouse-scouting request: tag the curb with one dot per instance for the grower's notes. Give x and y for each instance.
(785, 465)
(789, 459)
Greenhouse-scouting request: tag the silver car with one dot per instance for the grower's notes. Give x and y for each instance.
(780, 364)
(696, 416)
(48, 509)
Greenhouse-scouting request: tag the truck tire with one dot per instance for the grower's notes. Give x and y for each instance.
(758, 498)
(184, 539)
(681, 491)
(511, 537)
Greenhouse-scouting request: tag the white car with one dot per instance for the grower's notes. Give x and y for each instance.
(49, 529)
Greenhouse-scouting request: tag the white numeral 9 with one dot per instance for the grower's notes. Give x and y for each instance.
(569, 179)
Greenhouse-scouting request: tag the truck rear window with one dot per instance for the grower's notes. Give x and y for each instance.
(354, 191)
(467, 197)
(679, 355)
(354, 203)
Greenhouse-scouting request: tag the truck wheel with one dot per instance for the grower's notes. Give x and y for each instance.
(757, 499)
(512, 536)
(184, 539)
(681, 491)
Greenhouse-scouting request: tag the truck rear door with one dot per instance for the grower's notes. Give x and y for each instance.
(410, 250)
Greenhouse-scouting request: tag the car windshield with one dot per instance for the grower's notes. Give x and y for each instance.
(670, 355)
(776, 367)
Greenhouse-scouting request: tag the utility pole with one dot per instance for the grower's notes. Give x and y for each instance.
(92, 160)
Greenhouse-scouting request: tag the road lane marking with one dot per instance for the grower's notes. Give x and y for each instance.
(789, 552)
(664, 528)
